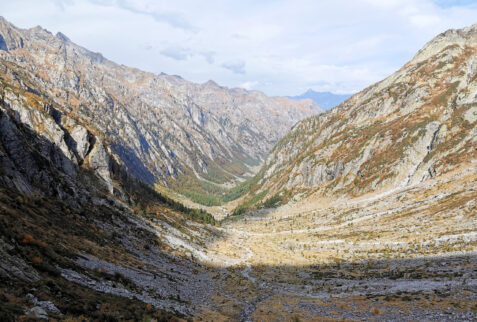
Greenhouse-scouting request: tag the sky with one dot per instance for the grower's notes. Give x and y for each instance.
(281, 47)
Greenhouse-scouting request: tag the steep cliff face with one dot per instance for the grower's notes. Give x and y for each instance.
(56, 180)
(46, 152)
(418, 123)
(64, 197)
(159, 126)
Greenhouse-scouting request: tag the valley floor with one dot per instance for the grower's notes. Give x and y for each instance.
(408, 255)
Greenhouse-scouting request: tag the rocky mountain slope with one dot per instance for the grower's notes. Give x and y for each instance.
(160, 127)
(419, 123)
(64, 203)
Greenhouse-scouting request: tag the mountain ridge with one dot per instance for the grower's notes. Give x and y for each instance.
(163, 128)
(400, 131)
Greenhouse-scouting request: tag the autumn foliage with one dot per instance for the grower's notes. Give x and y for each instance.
(36, 260)
(30, 240)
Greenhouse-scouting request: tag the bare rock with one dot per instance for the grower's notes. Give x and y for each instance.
(37, 313)
(99, 162)
(81, 138)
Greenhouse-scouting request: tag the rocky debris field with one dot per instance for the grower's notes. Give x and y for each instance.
(363, 258)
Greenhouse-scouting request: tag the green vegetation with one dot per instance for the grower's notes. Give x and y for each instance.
(249, 204)
(277, 199)
(143, 196)
(209, 194)
(242, 188)
(225, 171)
(273, 201)
(194, 214)
(216, 175)
(202, 192)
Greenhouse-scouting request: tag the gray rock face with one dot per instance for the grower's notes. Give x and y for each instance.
(39, 155)
(14, 267)
(160, 126)
(47, 305)
(100, 164)
(37, 313)
(311, 174)
(35, 160)
(81, 138)
(3, 44)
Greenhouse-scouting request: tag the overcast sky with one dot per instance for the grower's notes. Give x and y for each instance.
(280, 47)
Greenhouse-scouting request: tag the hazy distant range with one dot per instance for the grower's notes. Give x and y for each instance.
(326, 100)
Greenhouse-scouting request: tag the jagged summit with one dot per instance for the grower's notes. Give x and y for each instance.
(63, 37)
(16, 38)
(461, 37)
(211, 83)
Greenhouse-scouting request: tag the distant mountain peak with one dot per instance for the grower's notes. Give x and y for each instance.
(39, 29)
(62, 36)
(326, 100)
(456, 37)
(211, 83)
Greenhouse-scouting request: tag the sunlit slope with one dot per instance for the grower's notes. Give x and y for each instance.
(417, 124)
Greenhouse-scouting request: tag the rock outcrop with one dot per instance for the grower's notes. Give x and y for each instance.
(100, 164)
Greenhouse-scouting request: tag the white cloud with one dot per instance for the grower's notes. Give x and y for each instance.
(424, 21)
(248, 85)
(237, 67)
(176, 53)
(147, 8)
(209, 56)
(284, 46)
